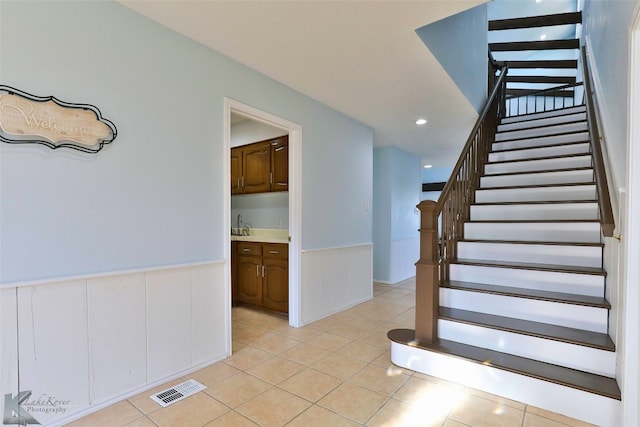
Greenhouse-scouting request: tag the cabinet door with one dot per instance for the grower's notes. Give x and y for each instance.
(236, 170)
(275, 284)
(256, 163)
(234, 273)
(249, 279)
(280, 164)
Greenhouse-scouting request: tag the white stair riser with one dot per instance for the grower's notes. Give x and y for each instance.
(551, 130)
(536, 153)
(536, 194)
(568, 401)
(542, 115)
(535, 212)
(538, 178)
(587, 359)
(537, 142)
(582, 232)
(570, 283)
(539, 165)
(567, 315)
(549, 121)
(578, 256)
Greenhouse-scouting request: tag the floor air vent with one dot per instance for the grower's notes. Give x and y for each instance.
(177, 392)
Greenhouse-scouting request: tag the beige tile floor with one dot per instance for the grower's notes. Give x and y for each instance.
(333, 372)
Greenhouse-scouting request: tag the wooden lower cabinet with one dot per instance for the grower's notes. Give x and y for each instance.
(262, 275)
(275, 283)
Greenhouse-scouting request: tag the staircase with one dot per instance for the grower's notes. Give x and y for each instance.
(525, 300)
(510, 285)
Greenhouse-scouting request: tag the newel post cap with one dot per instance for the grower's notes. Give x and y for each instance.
(427, 205)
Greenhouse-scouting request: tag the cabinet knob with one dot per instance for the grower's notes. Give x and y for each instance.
(274, 252)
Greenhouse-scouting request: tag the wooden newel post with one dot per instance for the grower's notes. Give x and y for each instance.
(427, 292)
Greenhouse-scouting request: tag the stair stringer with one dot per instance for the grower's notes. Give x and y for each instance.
(611, 263)
(574, 403)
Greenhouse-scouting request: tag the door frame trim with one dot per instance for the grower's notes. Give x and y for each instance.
(631, 244)
(295, 201)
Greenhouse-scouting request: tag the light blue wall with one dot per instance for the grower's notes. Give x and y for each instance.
(406, 189)
(434, 175)
(441, 174)
(382, 179)
(397, 187)
(267, 210)
(459, 43)
(606, 30)
(155, 197)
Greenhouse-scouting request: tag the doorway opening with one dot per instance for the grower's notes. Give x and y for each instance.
(254, 118)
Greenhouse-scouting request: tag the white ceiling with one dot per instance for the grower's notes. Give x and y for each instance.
(362, 58)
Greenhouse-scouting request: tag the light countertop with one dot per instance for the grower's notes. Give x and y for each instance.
(264, 235)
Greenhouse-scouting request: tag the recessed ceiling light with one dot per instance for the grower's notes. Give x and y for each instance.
(428, 166)
(421, 122)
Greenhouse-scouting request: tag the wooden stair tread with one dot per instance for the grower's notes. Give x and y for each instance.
(524, 242)
(532, 221)
(568, 18)
(560, 184)
(560, 297)
(534, 202)
(541, 171)
(561, 80)
(527, 327)
(562, 144)
(543, 126)
(535, 45)
(558, 268)
(560, 93)
(550, 63)
(538, 158)
(584, 381)
(540, 136)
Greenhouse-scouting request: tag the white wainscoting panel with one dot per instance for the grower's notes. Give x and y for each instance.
(53, 346)
(117, 334)
(8, 343)
(169, 321)
(334, 279)
(94, 340)
(404, 255)
(209, 313)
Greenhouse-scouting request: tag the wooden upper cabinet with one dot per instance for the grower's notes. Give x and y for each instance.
(280, 164)
(256, 165)
(260, 167)
(236, 170)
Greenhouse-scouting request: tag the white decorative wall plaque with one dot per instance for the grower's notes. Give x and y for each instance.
(26, 118)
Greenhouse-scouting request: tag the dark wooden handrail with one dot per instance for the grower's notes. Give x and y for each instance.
(437, 248)
(602, 186)
(467, 146)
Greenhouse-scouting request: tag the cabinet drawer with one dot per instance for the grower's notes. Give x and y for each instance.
(248, 248)
(275, 250)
